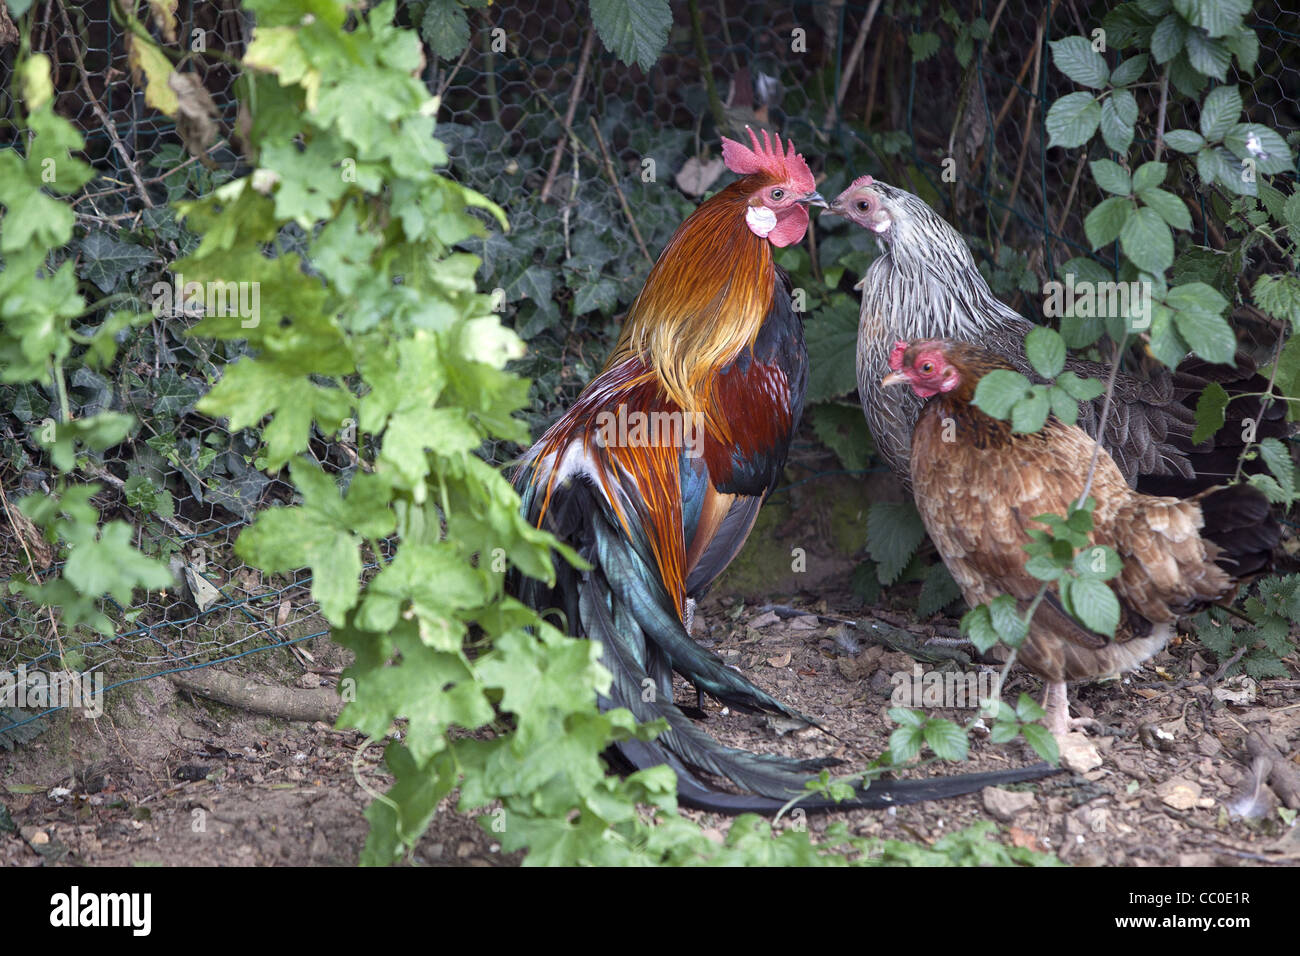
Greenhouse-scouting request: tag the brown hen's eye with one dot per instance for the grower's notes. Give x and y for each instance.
(778, 194)
(927, 368)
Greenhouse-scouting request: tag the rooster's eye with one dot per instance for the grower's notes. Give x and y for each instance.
(927, 368)
(778, 195)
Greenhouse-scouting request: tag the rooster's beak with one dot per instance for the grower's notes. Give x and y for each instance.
(813, 198)
(893, 378)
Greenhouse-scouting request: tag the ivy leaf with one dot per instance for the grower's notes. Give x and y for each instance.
(1147, 241)
(1219, 112)
(1075, 57)
(1107, 220)
(1072, 120)
(1210, 412)
(1045, 350)
(106, 260)
(634, 30)
(894, 532)
(1112, 177)
(998, 392)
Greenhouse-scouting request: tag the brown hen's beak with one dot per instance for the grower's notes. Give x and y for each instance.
(813, 198)
(893, 378)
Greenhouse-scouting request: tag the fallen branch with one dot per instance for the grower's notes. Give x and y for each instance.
(287, 703)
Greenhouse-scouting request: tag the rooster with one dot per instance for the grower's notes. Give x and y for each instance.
(978, 486)
(713, 352)
(925, 284)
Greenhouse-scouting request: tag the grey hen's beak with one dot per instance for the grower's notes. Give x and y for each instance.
(813, 198)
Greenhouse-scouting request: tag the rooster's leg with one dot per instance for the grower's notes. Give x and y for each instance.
(1056, 702)
(690, 615)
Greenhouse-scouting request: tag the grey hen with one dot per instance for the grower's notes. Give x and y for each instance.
(925, 284)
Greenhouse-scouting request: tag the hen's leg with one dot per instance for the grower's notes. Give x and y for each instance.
(1056, 702)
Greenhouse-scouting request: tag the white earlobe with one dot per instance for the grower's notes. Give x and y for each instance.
(760, 220)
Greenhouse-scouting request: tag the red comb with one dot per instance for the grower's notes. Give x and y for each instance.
(896, 356)
(781, 162)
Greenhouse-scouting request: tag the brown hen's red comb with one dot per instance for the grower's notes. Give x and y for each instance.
(896, 356)
(781, 162)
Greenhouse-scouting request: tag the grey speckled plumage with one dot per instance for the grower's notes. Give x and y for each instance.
(926, 285)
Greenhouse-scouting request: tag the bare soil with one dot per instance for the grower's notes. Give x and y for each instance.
(169, 779)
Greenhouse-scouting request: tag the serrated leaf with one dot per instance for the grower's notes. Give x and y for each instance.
(1198, 313)
(1094, 604)
(634, 30)
(1075, 57)
(946, 739)
(1147, 241)
(445, 28)
(1107, 220)
(1083, 389)
(1210, 409)
(1278, 458)
(999, 391)
(1046, 351)
(1169, 207)
(1215, 17)
(977, 625)
(1220, 112)
(937, 592)
(1207, 56)
(1279, 295)
(894, 532)
(831, 335)
(1097, 561)
(1030, 414)
(1129, 71)
(1148, 176)
(1072, 120)
(842, 429)
(1261, 145)
(1184, 140)
(1007, 620)
(1041, 740)
(1064, 405)
(1112, 177)
(905, 743)
(1118, 114)
(106, 260)
(1168, 38)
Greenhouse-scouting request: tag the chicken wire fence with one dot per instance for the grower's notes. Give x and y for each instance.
(538, 115)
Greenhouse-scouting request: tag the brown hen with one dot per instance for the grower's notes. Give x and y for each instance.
(979, 485)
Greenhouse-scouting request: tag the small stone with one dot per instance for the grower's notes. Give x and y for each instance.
(1179, 793)
(1077, 753)
(1004, 805)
